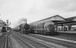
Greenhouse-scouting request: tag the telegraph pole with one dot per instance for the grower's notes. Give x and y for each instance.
(7, 24)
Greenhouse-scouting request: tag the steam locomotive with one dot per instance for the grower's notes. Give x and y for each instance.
(24, 28)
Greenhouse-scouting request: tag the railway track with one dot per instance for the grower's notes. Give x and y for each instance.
(20, 43)
(3, 42)
(17, 40)
(34, 42)
(29, 43)
(60, 41)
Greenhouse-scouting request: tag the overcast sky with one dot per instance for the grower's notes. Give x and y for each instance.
(34, 10)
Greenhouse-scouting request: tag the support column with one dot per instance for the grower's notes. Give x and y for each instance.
(69, 27)
(62, 27)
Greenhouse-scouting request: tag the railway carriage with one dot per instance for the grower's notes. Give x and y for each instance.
(44, 28)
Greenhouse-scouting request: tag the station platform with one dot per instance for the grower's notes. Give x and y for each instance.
(70, 32)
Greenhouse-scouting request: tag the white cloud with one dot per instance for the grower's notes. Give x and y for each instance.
(35, 9)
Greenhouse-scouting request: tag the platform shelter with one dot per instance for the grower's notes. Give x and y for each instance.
(65, 26)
